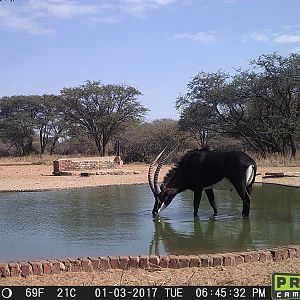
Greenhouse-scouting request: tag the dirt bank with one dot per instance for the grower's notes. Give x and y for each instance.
(29, 177)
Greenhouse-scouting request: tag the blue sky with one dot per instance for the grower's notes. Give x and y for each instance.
(156, 46)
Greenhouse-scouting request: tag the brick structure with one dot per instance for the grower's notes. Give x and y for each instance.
(102, 263)
(63, 166)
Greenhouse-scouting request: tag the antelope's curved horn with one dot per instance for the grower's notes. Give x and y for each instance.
(156, 174)
(150, 172)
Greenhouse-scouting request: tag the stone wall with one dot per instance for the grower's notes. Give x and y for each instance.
(68, 165)
(88, 264)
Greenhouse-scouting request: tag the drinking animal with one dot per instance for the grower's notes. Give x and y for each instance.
(204, 170)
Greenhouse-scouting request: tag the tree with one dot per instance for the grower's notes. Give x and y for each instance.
(279, 95)
(199, 119)
(77, 142)
(16, 122)
(143, 141)
(49, 121)
(102, 110)
(260, 106)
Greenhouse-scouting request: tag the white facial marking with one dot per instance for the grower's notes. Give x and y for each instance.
(161, 208)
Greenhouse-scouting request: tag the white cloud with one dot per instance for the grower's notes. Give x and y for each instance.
(35, 16)
(106, 19)
(288, 35)
(260, 37)
(164, 2)
(15, 21)
(139, 8)
(201, 37)
(287, 38)
(60, 9)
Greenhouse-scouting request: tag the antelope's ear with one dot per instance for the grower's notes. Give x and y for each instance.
(163, 188)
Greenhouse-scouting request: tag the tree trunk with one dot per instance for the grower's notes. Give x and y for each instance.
(293, 146)
(98, 143)
(53, 145)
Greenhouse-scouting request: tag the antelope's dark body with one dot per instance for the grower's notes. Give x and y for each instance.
(202, 169)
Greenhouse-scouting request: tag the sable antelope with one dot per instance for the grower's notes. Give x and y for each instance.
(204, 169)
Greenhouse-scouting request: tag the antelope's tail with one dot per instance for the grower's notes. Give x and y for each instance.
(250, 174)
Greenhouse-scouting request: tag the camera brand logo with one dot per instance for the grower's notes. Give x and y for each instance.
(285, 286)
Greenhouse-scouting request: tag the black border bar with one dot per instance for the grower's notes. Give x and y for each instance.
(134, 292)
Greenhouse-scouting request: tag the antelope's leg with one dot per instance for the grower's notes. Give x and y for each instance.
(242, 192)
(197, 199)
(211, 198)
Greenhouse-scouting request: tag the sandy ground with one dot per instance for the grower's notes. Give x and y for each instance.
(39, 177)
(27, 177)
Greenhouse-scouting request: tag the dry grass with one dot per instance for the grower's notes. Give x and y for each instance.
(45, 159)
(276, 160)
(272, 160)
(29, 159)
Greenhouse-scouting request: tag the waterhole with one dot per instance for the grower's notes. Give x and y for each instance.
(117, 220)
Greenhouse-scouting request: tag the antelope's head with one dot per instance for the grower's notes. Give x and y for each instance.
(163, 194)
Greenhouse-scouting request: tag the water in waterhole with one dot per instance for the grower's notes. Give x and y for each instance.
(117, 220)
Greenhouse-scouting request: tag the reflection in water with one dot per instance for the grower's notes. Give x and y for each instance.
(204, 237)
(117, 220)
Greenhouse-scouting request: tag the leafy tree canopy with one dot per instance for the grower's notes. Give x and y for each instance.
(102, 110)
